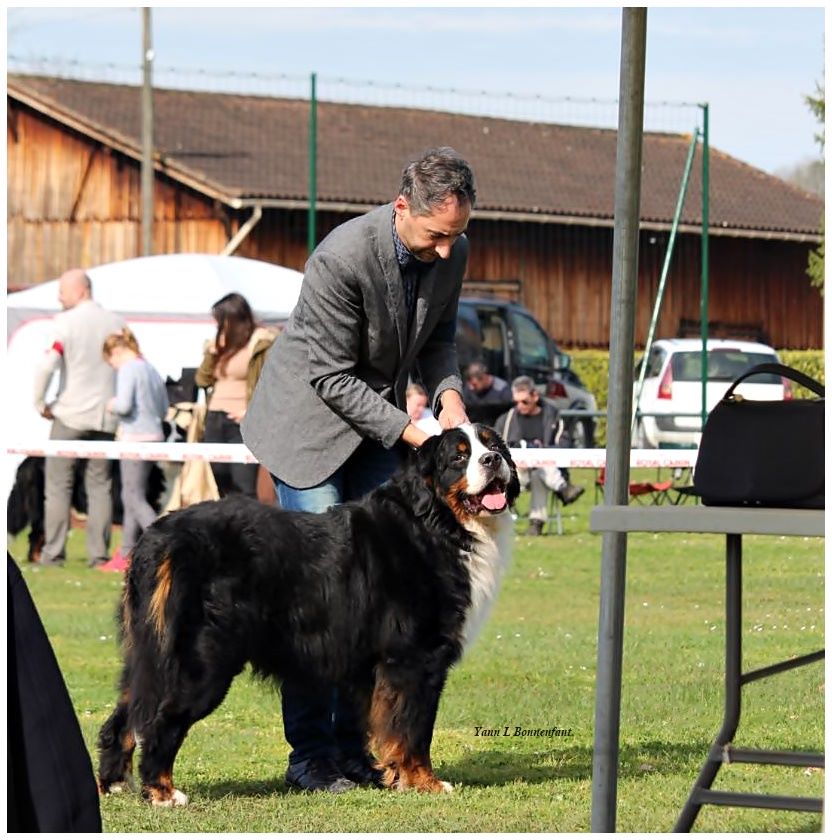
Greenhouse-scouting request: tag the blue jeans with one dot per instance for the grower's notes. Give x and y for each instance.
(319, 722)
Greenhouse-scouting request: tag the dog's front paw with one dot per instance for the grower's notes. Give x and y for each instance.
(176, 798)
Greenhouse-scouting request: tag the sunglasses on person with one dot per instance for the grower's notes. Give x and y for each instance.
(525, 401)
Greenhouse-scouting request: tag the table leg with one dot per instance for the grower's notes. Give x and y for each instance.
(733, 671)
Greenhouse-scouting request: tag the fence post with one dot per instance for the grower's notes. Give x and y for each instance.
(703, 298)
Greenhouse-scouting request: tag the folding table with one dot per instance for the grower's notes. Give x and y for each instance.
(734, 523)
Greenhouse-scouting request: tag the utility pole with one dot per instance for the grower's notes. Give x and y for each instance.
(313, 165)
(147, 136)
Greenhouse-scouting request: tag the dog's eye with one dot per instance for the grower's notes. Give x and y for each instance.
(459, 458)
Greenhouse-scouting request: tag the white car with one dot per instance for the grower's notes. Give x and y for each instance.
(673, 387)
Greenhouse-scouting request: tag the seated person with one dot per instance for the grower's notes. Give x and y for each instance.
(418, 411)
(535, 423)
(486, 396)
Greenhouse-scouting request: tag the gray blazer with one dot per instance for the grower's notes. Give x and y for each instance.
(338, 372)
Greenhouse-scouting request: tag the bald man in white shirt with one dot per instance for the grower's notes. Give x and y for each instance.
(78, 413)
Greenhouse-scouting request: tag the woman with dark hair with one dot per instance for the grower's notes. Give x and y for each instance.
(229, 370)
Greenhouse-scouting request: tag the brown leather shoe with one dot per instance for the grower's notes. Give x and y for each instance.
(535, 528)
(570, 493)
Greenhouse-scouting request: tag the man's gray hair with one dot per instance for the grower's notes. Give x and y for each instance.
(439, 173)
(524, 383)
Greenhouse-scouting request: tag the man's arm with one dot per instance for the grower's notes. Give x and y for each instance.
(50, 362)
(452, 413)
(333, 313)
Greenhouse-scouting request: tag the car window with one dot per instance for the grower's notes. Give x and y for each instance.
(468, 340)
(724, 365)
(492, 334)
(654, 363)
(531, 343)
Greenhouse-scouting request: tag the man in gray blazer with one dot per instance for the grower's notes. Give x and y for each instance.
(377, 305)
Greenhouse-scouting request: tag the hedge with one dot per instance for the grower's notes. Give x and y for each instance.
(593, 368)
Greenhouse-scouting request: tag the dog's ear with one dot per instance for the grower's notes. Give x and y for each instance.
(426, 455)
(417, 475)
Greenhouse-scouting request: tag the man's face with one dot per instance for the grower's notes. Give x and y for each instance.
(70, 292)
(432, 236)
(478, 382)
(525, 401)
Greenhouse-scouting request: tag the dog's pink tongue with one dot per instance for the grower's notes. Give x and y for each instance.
(494, 501)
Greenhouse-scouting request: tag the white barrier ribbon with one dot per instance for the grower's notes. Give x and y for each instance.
(238, 453)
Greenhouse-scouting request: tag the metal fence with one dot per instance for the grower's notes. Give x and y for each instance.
(527, 106)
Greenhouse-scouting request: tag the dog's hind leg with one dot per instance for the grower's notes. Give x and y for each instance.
(116, 743)
(403, 712)
(161, 741)
(162, 736)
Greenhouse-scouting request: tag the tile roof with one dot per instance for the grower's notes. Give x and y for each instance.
(245, 147)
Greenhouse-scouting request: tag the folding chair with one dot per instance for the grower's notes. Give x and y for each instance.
(553, 509)
(655, 492)
(650, 492)
(553, 514)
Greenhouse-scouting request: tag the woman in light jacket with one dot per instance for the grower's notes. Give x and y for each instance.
(230, 367)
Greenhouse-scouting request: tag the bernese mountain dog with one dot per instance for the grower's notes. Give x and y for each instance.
(379, 597)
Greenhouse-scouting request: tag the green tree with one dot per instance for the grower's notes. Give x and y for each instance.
(817, 105)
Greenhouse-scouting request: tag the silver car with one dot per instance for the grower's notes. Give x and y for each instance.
(669, 411)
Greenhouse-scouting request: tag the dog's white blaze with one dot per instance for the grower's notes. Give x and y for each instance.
(475, 476)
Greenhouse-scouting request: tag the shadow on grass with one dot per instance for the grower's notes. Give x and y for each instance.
(502, 767)
(244, 787)
(494, 768)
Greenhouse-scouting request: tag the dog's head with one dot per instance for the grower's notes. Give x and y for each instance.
(471, 469)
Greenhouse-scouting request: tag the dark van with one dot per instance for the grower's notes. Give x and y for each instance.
(507, 337)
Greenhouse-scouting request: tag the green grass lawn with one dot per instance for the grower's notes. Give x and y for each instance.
(533, 668)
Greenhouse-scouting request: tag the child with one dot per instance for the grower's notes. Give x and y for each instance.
(141, 402)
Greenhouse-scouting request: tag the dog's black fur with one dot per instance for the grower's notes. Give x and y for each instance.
(25, 505)
(374, 596)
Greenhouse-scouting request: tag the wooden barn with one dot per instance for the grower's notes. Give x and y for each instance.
(541, 231)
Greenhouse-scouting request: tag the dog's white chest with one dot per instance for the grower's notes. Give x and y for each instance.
(486, 563)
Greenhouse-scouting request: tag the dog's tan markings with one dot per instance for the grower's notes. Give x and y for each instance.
(400, 770)
(160, 596)
(126, 617)
(382, 709)
(486, 436)
(454, 499)
(418, 775)
(128, 742)
(163, 793)
(160, 793)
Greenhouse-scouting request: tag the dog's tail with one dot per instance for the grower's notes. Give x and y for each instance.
(147, 609)
(150, 626)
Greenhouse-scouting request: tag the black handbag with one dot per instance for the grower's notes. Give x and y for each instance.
(767, 453)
